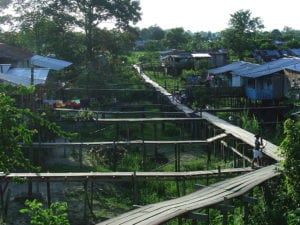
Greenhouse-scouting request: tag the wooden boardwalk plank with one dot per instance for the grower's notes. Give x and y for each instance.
(157, 175)
(211, 195)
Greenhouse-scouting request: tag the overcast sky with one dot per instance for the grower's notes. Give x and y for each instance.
(214, 15)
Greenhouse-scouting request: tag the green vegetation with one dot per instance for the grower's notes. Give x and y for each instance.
(56, 214)
(103, 60)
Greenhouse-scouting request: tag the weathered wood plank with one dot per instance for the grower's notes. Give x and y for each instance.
(145, 120)
(211, 195)
(94, 175)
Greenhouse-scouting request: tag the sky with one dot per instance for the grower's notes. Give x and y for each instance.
(214, 15)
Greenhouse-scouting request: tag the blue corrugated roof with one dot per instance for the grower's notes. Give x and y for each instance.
(51, 63)
(295, 67)
(295, 51)
(228, 68)
(22, 76)
(4, 68)
(268, 68)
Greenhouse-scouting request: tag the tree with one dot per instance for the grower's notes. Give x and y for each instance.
(19, 126)
(90, 14)
(152, 33)
(291, 165)
(242, 31)
(176, 38)
(87, 15)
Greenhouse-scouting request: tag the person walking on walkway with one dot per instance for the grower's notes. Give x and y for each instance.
(257, 151)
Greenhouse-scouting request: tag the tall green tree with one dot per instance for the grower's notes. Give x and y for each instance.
(87, 15)
(90, 14)
(176, 38)
(152, 33)
(291, 165)
(241, 34)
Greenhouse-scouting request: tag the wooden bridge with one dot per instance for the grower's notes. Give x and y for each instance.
(237, 132)
(212, 195)
(208, 196)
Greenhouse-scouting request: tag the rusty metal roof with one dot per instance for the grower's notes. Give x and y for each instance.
(8, 51)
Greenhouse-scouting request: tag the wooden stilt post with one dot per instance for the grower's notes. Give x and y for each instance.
(178, 157)
(144, 155)
(5, 210)
(48, 193)
(115, 157)
(117, 132)
(135, 189)
(155, 138)
(175, 156)
(80, 156)
(244, 160)
(198, 217)
(92, 196)
(128, 133)
(225, 208)
(184, 186)
(214, 143)
(29, 188)
(246, 201)
(234, 162)
(1, 199)
(85, 184)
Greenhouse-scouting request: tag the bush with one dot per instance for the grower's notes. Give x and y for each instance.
(55, 215)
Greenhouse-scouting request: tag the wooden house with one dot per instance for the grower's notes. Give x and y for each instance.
(223, 76)
(174, 61)
(16, 57)
(267, 81)
(293, 75)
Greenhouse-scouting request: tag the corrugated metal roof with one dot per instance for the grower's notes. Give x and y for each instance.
(14, 52)
(39, 73)
(201, 55)
(22, 76)
(295, 68)
(245, 68)
(4, 68)
(268, 68)
(51, 63)
(295, 51)
(228, 68)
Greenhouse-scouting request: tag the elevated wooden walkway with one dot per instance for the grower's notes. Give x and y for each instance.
(81, 144)
(211, 195)
(237, 132)
(119, 175)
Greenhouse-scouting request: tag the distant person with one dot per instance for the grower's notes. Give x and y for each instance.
(257, 151)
